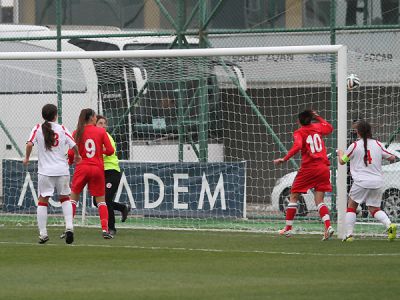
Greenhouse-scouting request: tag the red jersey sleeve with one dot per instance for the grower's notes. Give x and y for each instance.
(109, 149)
(71, 153)
(297, 145)
(325, 127)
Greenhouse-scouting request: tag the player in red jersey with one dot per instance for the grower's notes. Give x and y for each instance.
(314, 170)
(92, 143)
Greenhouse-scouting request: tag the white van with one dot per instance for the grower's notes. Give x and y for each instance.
(27, 85)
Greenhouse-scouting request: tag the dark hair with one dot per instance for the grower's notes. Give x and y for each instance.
(100, 117)
(84, 118)
(305, 117)
(49, 112)
(364, 130)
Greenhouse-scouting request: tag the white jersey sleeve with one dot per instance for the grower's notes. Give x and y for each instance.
(385, 153)
(69, 140)
(33, 136)
(350, 149)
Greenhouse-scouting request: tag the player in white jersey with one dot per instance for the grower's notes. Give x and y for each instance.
(365, 156)
(53, 141)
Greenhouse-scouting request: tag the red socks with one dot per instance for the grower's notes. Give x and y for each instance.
(291, 211)
(103, 213)
(324, 214)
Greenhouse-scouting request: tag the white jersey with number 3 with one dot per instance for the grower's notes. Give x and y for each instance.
(52, 162)
(369, 176)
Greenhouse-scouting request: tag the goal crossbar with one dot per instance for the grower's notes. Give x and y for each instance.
(171, 52)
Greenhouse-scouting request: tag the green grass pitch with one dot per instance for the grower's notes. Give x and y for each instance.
(161, 264)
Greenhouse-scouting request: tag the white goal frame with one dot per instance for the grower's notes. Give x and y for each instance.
(339, 50)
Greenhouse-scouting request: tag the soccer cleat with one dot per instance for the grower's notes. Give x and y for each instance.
(43, 239)
(112, 231)
(107, 235)
(328, 233)
(69, 236)
(284, 232)
(62, 235)
(125, 212)
(391, 231)
(348, 239)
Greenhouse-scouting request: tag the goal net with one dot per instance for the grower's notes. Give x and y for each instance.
(196, 130)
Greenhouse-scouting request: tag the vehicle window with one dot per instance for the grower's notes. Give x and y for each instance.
(89, 45)
(154, 46)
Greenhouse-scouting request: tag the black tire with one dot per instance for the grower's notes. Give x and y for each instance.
(284, 198)
(391, 203)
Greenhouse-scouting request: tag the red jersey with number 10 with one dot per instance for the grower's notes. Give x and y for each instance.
(91, 146)
(309, 140)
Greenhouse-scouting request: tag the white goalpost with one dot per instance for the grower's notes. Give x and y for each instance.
(196, 130)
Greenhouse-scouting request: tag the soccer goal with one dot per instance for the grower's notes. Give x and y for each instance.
(196, 130)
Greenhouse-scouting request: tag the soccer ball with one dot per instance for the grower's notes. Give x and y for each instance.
(353, 82)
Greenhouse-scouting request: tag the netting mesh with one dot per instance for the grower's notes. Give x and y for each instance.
(196, 136)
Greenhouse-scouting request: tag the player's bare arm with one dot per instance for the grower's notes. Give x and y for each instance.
(391, 158)
(315, 114)
(340, 154)
(28, 151)
(279, 161)
(77, 156)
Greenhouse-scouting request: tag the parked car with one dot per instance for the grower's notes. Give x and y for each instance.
(390, 199)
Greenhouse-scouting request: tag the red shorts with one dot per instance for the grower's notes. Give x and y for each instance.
(91, 175)
(316, 178)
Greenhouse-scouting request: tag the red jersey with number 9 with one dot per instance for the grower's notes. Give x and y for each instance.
(309, 140)
(91, 146)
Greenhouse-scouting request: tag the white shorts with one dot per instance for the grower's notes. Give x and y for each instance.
(47, 184)
(371, 197)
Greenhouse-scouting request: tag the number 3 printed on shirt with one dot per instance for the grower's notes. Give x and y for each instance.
(56, 140)
(315, 143)
(90, 148)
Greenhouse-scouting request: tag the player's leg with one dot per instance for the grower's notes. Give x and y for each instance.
(79, 180)
(350, 220)
(62, 185)
(113, 178)
(103, 214)
(374, 207)
(41, 216)
(291, 211)
(323, 211)
(96, 186)
(64, 190)
(322, 184)
(46, 190)
(110, 192)
(68, 218)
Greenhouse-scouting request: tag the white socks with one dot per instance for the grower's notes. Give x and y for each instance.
(68, 216)
(350, 221)
(382, 217)
(42, 220)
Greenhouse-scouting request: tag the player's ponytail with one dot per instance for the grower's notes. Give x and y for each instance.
(49, 113)
(365, 132)
(84, 118)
